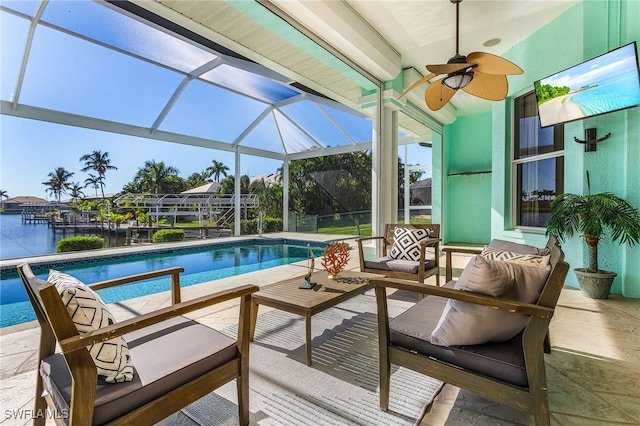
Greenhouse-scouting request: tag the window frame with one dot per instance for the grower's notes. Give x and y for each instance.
(515, 162)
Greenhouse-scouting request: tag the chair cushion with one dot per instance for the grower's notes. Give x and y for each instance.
(412, 330)
(89, 313)
(167, 355)
(406, 243)
(389, 264)
(465, 323)
(510, 256)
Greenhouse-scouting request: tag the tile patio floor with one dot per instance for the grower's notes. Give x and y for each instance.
(593, 371)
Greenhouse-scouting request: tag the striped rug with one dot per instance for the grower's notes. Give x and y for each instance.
(340, 388)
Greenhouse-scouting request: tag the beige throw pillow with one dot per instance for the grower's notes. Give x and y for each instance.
(464, 323)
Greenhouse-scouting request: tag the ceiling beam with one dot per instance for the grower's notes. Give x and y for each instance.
(339, 25)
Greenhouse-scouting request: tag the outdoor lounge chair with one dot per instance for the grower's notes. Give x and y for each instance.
(137, 371)
(510, 371)
(409, 251)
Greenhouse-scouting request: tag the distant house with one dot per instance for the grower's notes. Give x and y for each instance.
(24, 203)
(420, 193)
(269, 180)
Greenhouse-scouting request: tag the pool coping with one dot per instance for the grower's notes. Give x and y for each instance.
(8, 266)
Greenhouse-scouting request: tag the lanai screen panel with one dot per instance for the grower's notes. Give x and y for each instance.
(93, 61)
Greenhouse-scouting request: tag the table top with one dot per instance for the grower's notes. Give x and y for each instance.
(327, 292)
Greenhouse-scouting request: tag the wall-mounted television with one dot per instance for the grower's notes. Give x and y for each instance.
(606, 83)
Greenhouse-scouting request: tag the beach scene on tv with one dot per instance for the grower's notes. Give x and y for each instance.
(603, 84)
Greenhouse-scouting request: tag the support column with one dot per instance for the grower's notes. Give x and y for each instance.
(285, 195)
(237, 196)
(384, 179)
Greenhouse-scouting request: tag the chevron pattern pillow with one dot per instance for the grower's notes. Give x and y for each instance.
(406, 243)
(90, 313)
(490, 253)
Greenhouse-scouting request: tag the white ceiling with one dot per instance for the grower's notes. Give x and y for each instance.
(423, 32)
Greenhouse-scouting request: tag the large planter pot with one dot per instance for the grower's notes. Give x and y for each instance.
(595, 285)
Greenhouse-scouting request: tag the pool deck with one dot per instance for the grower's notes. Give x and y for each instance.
(593, 371)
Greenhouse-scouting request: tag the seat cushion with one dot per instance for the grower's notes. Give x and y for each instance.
(166, 356)
(465, 323)
(412, 330)
(89, 313)
(406, 243)
(388, 263)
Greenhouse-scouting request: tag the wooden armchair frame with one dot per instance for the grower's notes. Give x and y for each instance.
(532, 399)
(57, 327)
(387, 241)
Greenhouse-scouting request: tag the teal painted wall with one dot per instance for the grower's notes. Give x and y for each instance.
(588, 29)
(467, 150)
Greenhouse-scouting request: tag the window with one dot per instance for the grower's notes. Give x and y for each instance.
(538, 164)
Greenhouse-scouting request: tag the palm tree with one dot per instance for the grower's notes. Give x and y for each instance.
(58, 182)
(100, 163)
(216, 169)
(155, 177)
(75, 191)
(197, 179)
(3, 194)
(93, 181)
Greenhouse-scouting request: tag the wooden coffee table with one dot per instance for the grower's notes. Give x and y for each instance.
(286, 296)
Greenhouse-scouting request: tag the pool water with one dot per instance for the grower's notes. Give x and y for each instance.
(200, 264)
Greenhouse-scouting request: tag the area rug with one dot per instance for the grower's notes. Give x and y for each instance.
(340, 388)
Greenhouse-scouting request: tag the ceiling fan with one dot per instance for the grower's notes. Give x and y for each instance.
(480, 74)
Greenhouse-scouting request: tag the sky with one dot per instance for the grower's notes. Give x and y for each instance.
(77, 76)
(615, 63)
(30, 150)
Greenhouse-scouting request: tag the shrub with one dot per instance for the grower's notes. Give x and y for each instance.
(269, 224)
(79, 243)
(167, 235)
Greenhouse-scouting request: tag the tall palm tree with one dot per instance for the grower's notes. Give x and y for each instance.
(155, 177)
(100, 163)
(216, 169)
(94, 182)
(58, 182)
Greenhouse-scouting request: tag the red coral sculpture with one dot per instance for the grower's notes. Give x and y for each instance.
(335, 257)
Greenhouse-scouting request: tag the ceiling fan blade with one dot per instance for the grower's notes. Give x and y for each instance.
(437, 95)
(447, 68)
(418, 83)
(488, 86)
(492, 64)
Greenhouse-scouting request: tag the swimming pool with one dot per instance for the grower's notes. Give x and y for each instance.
(201, 264)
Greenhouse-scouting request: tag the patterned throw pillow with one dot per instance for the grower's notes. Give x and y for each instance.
(509, 256)
(406, 243)
(90, 313)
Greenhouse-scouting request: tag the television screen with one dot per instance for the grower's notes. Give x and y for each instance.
(606, 83)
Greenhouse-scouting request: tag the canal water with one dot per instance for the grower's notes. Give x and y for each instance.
(19, 239)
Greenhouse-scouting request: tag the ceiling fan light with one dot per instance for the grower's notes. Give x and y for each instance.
(458, 80)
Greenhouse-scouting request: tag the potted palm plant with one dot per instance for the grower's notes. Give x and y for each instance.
(591, 216)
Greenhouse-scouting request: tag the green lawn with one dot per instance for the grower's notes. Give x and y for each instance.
(365, 230)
